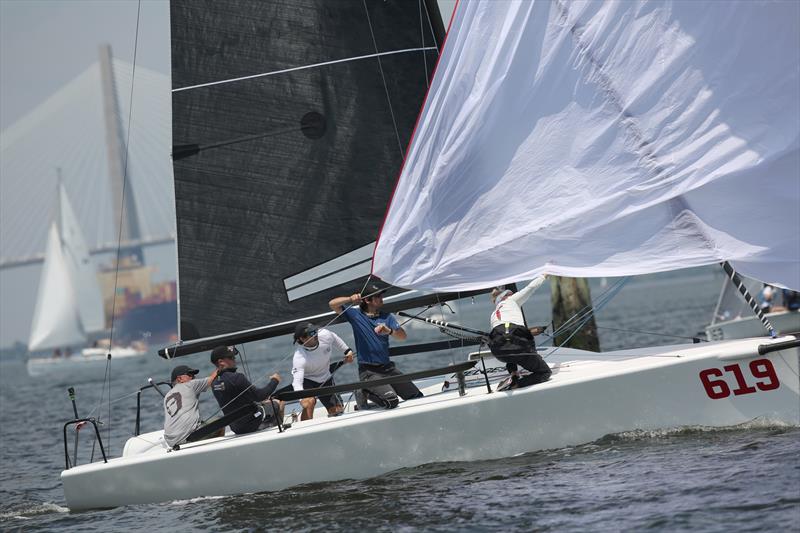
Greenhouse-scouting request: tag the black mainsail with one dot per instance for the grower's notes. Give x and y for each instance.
(290, 122)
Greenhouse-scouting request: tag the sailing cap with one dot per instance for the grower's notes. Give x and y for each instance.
(373, 289)
(499, 294)
(304, 330)
(183, 369)
(221, 352)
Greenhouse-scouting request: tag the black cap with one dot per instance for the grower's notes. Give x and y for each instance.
(221, 352)
(304, 330)
(373, 289)
(183, 369)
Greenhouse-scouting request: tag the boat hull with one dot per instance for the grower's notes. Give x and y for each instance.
(89, 360)
(784, 322)
(586, 399)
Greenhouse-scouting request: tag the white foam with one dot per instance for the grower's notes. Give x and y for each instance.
(34, 510)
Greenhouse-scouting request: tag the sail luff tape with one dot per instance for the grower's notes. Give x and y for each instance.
(294, 69)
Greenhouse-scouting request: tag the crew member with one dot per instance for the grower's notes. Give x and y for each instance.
(372, 328)
(510, 341)
(233, 390)
(311, 366)
(181, 411)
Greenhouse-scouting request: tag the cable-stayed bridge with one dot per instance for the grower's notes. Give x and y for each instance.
(75, 131)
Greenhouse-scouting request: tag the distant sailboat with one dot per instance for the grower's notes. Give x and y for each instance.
(734, 319)
(69, 304)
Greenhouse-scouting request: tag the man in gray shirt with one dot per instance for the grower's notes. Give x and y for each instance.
(181, 413)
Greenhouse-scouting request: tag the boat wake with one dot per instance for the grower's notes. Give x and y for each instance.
(34, 510)
(689, 431)
(198, 499)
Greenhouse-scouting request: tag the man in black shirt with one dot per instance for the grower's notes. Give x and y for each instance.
(233, 390)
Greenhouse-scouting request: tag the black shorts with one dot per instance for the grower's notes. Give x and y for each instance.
(328, 401)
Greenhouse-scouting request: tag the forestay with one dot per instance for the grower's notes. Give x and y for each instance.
(603, 139)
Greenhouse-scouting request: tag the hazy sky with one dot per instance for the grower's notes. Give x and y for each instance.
(46, 43)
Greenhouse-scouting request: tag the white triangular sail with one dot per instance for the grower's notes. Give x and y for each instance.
(56, 322)
(84, 273)
(69, 303)
(603, 139)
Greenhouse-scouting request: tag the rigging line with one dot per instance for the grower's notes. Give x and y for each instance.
(583, 318)
(125, 175)
(102, 391)
(121, 212)
(294, 69)
(422, 42)
(606, 297)
(385, 85)
(244, 360)
(580, 315)
(577, 329)
(577, 317)
(108, 376)
(649, 333)
(742, 288)
(253, 383)
(409, 319)
(115, 400)
(430, 27)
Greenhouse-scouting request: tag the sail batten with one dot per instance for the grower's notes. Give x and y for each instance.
(603, 139)
(294, 69)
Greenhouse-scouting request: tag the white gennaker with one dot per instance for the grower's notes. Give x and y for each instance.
(589, 395)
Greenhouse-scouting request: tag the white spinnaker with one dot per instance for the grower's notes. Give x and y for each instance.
(56, 323)
(84, 273)
(603, 139)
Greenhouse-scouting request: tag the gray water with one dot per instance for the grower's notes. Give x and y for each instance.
(735, 479)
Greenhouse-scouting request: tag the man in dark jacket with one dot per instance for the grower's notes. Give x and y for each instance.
(233, 390)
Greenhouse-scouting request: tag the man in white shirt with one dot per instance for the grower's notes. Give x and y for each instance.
(311, 366)
(510, 341)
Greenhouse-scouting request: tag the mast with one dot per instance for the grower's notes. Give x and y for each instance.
(115, 146)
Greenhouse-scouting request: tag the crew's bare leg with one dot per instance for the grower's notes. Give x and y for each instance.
(308, 408)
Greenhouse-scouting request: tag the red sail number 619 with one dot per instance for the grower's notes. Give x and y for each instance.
(761, 369)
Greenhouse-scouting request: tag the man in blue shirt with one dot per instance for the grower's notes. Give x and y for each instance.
(371, 330)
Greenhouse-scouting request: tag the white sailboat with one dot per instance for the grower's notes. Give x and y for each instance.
(69, 304)
(465, 215)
